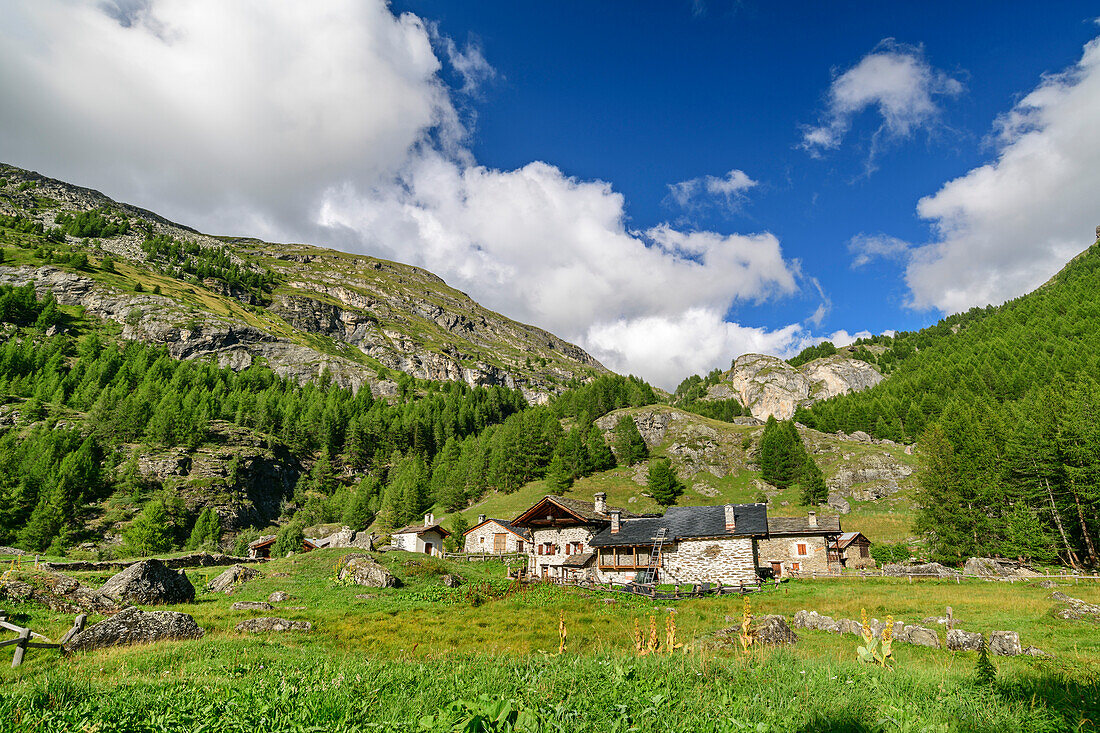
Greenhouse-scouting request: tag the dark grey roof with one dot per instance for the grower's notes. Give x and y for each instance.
(801, 525)
(579, 560)
(586, 510)
(686, 522)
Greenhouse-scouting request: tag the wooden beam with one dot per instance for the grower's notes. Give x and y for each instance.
(20, 648)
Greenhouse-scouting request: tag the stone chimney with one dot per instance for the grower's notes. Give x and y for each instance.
(429, 519)
(601, 503)
(615, 520)
(481, 519)
(731, 518)
(811, 518)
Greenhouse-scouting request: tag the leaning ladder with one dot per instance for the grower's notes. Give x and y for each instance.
(655, 555)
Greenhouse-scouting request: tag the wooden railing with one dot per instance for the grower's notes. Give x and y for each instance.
(484, 556)
(23, 641)
(649, 590)
(957, 577)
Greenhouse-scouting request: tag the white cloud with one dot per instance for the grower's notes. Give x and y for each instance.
(228, 115)
(1005, 227)
(897, 81)
(696, 193)
(331, 124)
(867, 247)
(843, 338)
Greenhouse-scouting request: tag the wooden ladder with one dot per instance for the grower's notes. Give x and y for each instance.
(655, 555)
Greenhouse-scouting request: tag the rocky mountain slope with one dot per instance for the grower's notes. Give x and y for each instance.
(870, 482)
(302, 310)
(767, 385)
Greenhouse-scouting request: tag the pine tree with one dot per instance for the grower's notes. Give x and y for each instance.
(207, 532)
(600, 457)
(664, 486)
(630, 446)
(812, 482)
(985, 673)
(149, 532)
(558, 478)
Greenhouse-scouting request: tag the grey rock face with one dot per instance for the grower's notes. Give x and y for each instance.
(150, 582)
(272, 623)
(57, 592)
(134, 626)
(988, 567)
(1005, 643)
(773, 631)
(233, 578)
(251, 606)
(451, 581)
(278, 597)
(767, 385)
(839, 503)
(963, 641)
(362, 570)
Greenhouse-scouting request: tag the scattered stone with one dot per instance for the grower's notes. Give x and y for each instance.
(931, 568)
(1076, 609)
(272, 623)
(839, 503)
(1005, 643)
(613, 602)
(134, 626)
(368, 596)
(280, 575)
(451, 581)
(362, 570)
(278, 596)
(773, 630)
(12, 551)
(232, 578)
(148, 582)
(57, 592)
(1032, 651)
(963, 641)
(251, 606)
(921, 636)
(860, 437)
(1049, 584)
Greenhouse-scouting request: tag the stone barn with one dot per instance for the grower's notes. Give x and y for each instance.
(853, 550)
(695, 544)
(427, 538)
(262, 547)
(799, 545)
(496, 537)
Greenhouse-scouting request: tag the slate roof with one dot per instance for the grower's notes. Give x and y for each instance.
(422, 528)
(687, 522)
(583, 509)
(847, 538)
(801, 525)
(265, 540)
(523, 532)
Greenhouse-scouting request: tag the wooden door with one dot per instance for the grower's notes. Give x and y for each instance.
(427, 548)
(777, 569)
(500, 543)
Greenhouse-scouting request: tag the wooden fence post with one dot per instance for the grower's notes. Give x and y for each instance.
(21, 648)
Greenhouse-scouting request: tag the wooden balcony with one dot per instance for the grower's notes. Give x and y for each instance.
(624, 558)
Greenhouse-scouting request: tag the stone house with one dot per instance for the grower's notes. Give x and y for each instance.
(262, 547)
(561, 530)
(702, 544)
(427, 538)
(853, 550)
(799, 545)
(495, 537)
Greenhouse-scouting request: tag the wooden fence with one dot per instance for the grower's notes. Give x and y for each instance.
(957, 577)
(484, 556)
(649, 590)
(23, 641)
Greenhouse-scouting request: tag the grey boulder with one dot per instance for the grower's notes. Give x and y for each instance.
(451, 581)
(1005, 643)
(149, 582)
(251, 606)
(963, 641)
(278, 596)
(233, 577)
(134, 626)
(921, 636)
(272, 623)
(363, 570)
(773, 631)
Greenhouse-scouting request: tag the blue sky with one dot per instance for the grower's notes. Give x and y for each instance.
(669, 184)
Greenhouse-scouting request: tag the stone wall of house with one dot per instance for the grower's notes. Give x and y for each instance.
(852, 559)
(560, 536)
(731, 561)
(785, 550)
(412, 542)
(481, 539)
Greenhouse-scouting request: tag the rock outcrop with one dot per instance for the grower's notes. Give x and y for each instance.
(363, 570)
(59, 593)
(990, 567)
(925, 569)
(149, 582)
(1075, 608)
(772, 630)
(767, 385)
(1005, 643)
(272, 623)
(233, 578)
(134, 626)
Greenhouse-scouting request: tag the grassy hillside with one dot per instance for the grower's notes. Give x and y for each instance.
(715, 461)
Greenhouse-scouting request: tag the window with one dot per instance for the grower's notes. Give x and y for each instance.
(519, 545)
(795, 566)
(802, 549)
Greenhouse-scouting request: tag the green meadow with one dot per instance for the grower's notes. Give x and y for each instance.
(487, 656)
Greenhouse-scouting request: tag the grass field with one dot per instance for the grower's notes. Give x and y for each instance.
(383, 663)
